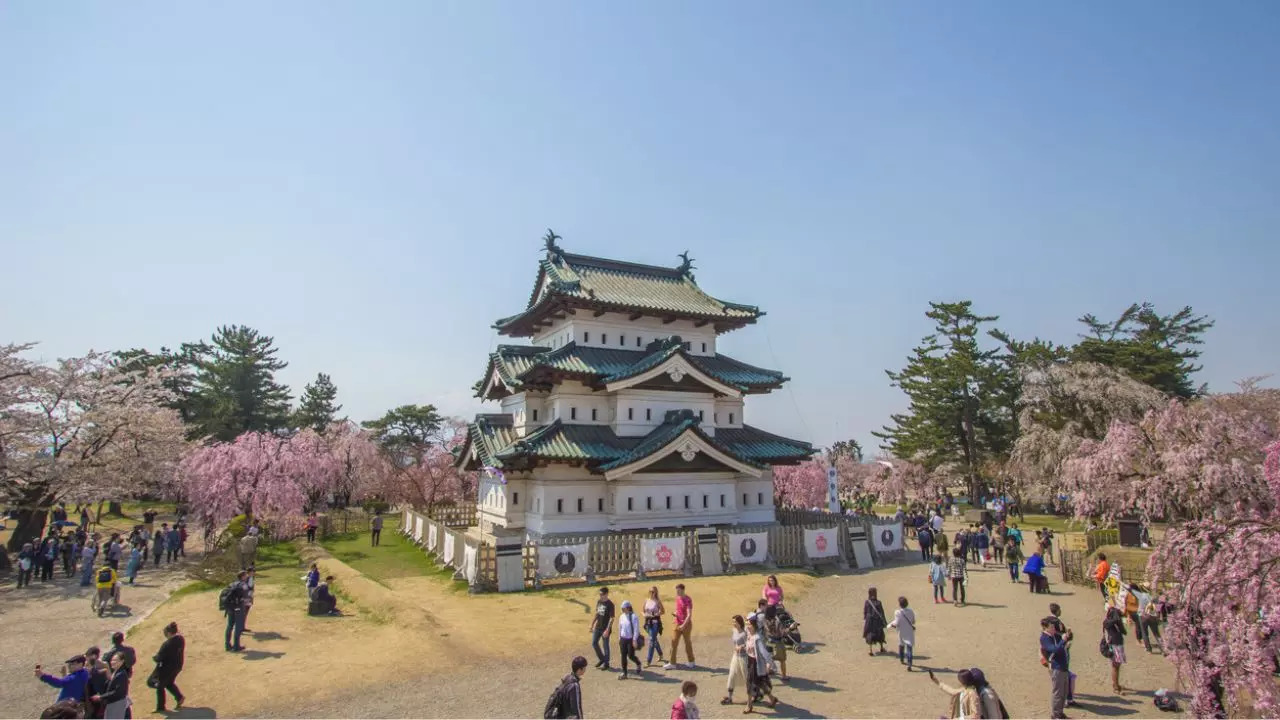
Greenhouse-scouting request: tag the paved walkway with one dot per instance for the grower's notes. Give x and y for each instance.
(998, 631)
(46, 623)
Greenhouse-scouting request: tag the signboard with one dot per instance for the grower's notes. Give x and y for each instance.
(1075, 541)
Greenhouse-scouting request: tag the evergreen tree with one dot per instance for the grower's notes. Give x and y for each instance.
(316, 408)
(178, 373)
(958, 414)
(235, 389)
(851, 449)
(408, 431)
(1158, 350)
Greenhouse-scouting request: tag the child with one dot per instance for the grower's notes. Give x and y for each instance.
(904, 619)
(1013, 557)
(938, 576)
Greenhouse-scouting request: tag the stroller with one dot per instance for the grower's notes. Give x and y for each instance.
(790, 630)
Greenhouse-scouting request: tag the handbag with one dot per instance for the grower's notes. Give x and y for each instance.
(153, 680)
(1104, 648)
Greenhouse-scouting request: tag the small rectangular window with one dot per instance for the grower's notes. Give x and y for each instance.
(560, 505)
(593, 413)
(622, 340)
(637, 341)
(721, 499)
(744, 499)
(704, 347)
(586, 337)
(573, 413)
(579, 504)
(535, 416)
(630, 506)
(700, 415)
(715, 417)
(648, 503)
(648, 413)
(668, 502)
(537, 505)
(686, 502)
(600, 504)
(759, 498)
(631, 413)
(730, 418)
(604, 339)
(705, 500)
(515, 498)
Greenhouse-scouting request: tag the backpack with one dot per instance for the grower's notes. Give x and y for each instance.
(553, 709)
(224, 597)
(104, 575)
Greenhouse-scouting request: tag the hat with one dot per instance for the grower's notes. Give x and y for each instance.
(626, 603)
(75, 659)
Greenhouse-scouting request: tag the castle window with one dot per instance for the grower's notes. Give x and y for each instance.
(704, 347)
(730, 418)
(515, 498)
(759, 498)
(573, 413)
(637, 341)
(705, 498)
(686, 502)
(721, 499)
(622, 340)
(648, 503)
(630, 507)
(537, 505)
(700, 415)
(535, 415)
(668, 502)
(593, 413)
(579, 504)
(744, 499)
(648, 413)
(586, 337)
(560, 505)
(715, 417)
(600, 504)
(631, 413)
(604, 339)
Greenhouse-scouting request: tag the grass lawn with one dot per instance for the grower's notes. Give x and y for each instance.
(394, 558)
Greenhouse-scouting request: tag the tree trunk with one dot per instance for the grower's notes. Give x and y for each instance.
(113, 508)
(30, 527)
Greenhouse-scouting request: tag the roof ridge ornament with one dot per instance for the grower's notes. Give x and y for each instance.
(550, 241)
(686, 264)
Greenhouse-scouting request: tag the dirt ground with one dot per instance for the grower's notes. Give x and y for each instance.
(414, 647)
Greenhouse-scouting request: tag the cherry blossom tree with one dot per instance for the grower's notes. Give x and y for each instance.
(81, 429)
(257, 475)
(424, 474)
(1211, 468)
(890, 480)
(801, 486)
(361, 464)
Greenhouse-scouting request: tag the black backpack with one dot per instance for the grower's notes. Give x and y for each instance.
(104, 575)
(555, 705)
(224, 597)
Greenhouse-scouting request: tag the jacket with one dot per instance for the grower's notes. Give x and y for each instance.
(235, 600)
(1034, 566)
(680, 710)
(116, 696)
(170, 656)
(70, 687)
(130, 656)
(964, 701)
(570, 697)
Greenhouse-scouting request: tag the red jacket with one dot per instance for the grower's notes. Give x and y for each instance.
(678, 711)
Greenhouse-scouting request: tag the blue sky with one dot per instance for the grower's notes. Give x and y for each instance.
(368, 182)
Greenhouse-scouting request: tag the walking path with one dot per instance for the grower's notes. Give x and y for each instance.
(46, 623)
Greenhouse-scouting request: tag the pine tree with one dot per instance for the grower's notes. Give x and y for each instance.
(316, 408)
(408, 431)
(235, 388)
(851, 449)
(1158, 350)
(958, 415)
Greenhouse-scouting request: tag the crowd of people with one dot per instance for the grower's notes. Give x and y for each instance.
(95, 684)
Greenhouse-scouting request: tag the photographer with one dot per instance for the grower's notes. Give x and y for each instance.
(72, 684)
(1054, 647)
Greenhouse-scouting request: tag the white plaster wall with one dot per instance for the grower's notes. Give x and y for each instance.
(571, 396)
(726, 407)
(658, 402)
(614, 330)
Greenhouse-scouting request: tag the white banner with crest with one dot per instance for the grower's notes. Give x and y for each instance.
(562, 560)
(447, 555)
(662, 553)
(748, 548)
(822, 543)
(432, 537)
(417, 528)
(887, 538)
(469, 563)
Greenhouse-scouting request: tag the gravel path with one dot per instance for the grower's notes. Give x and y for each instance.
(46, 623)
(998, 631)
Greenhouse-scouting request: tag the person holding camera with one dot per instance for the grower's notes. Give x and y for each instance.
(1053, 647)
(72, 684)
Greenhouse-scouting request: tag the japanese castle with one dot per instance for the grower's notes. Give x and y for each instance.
(621, 414)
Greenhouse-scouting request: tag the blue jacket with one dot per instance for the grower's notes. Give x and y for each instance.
(1055, 649)
(1034, 566)
(72, 686)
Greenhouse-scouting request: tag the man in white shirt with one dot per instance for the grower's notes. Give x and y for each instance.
(937, 524)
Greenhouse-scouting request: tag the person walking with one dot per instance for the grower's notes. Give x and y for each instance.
(135, 562)
(48, 556)
(758, 665)
(601, 628)
(169, 659)
(86, 563)
(157, 545)
(119, 648)
(772, 591)
(375, 529)
(250, 581)
(1100, 573)
(959, 574)
(683, 628)
(628, 634)
(938, 578)
(313, 522)
(1034, 569)
(1012, 557)
(182, 538)
(68, 551)
(776, 640)
(924, 536)
(998, 539)
(26, 564)
(1053, 647)
(114, 551)
(1113, 632)
(873, 622)
(234, 610)
(1134, 600)
(1151, 625)
(149, 520)
(904, 621)
(737, 660)
(566, 699)
(172, 542)
(685, 708)
(115, 698)
(966, 700)
(653, 612)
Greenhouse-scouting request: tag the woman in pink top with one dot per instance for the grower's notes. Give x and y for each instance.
(772, 592)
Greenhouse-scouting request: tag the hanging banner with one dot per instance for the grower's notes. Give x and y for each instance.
(833, 490)
(887, 538)
(562, 560)
(417, 528)
(662, 554)
(469, 563)
(821, 543)
(748, 548)
(447, 555)
(432, 537)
